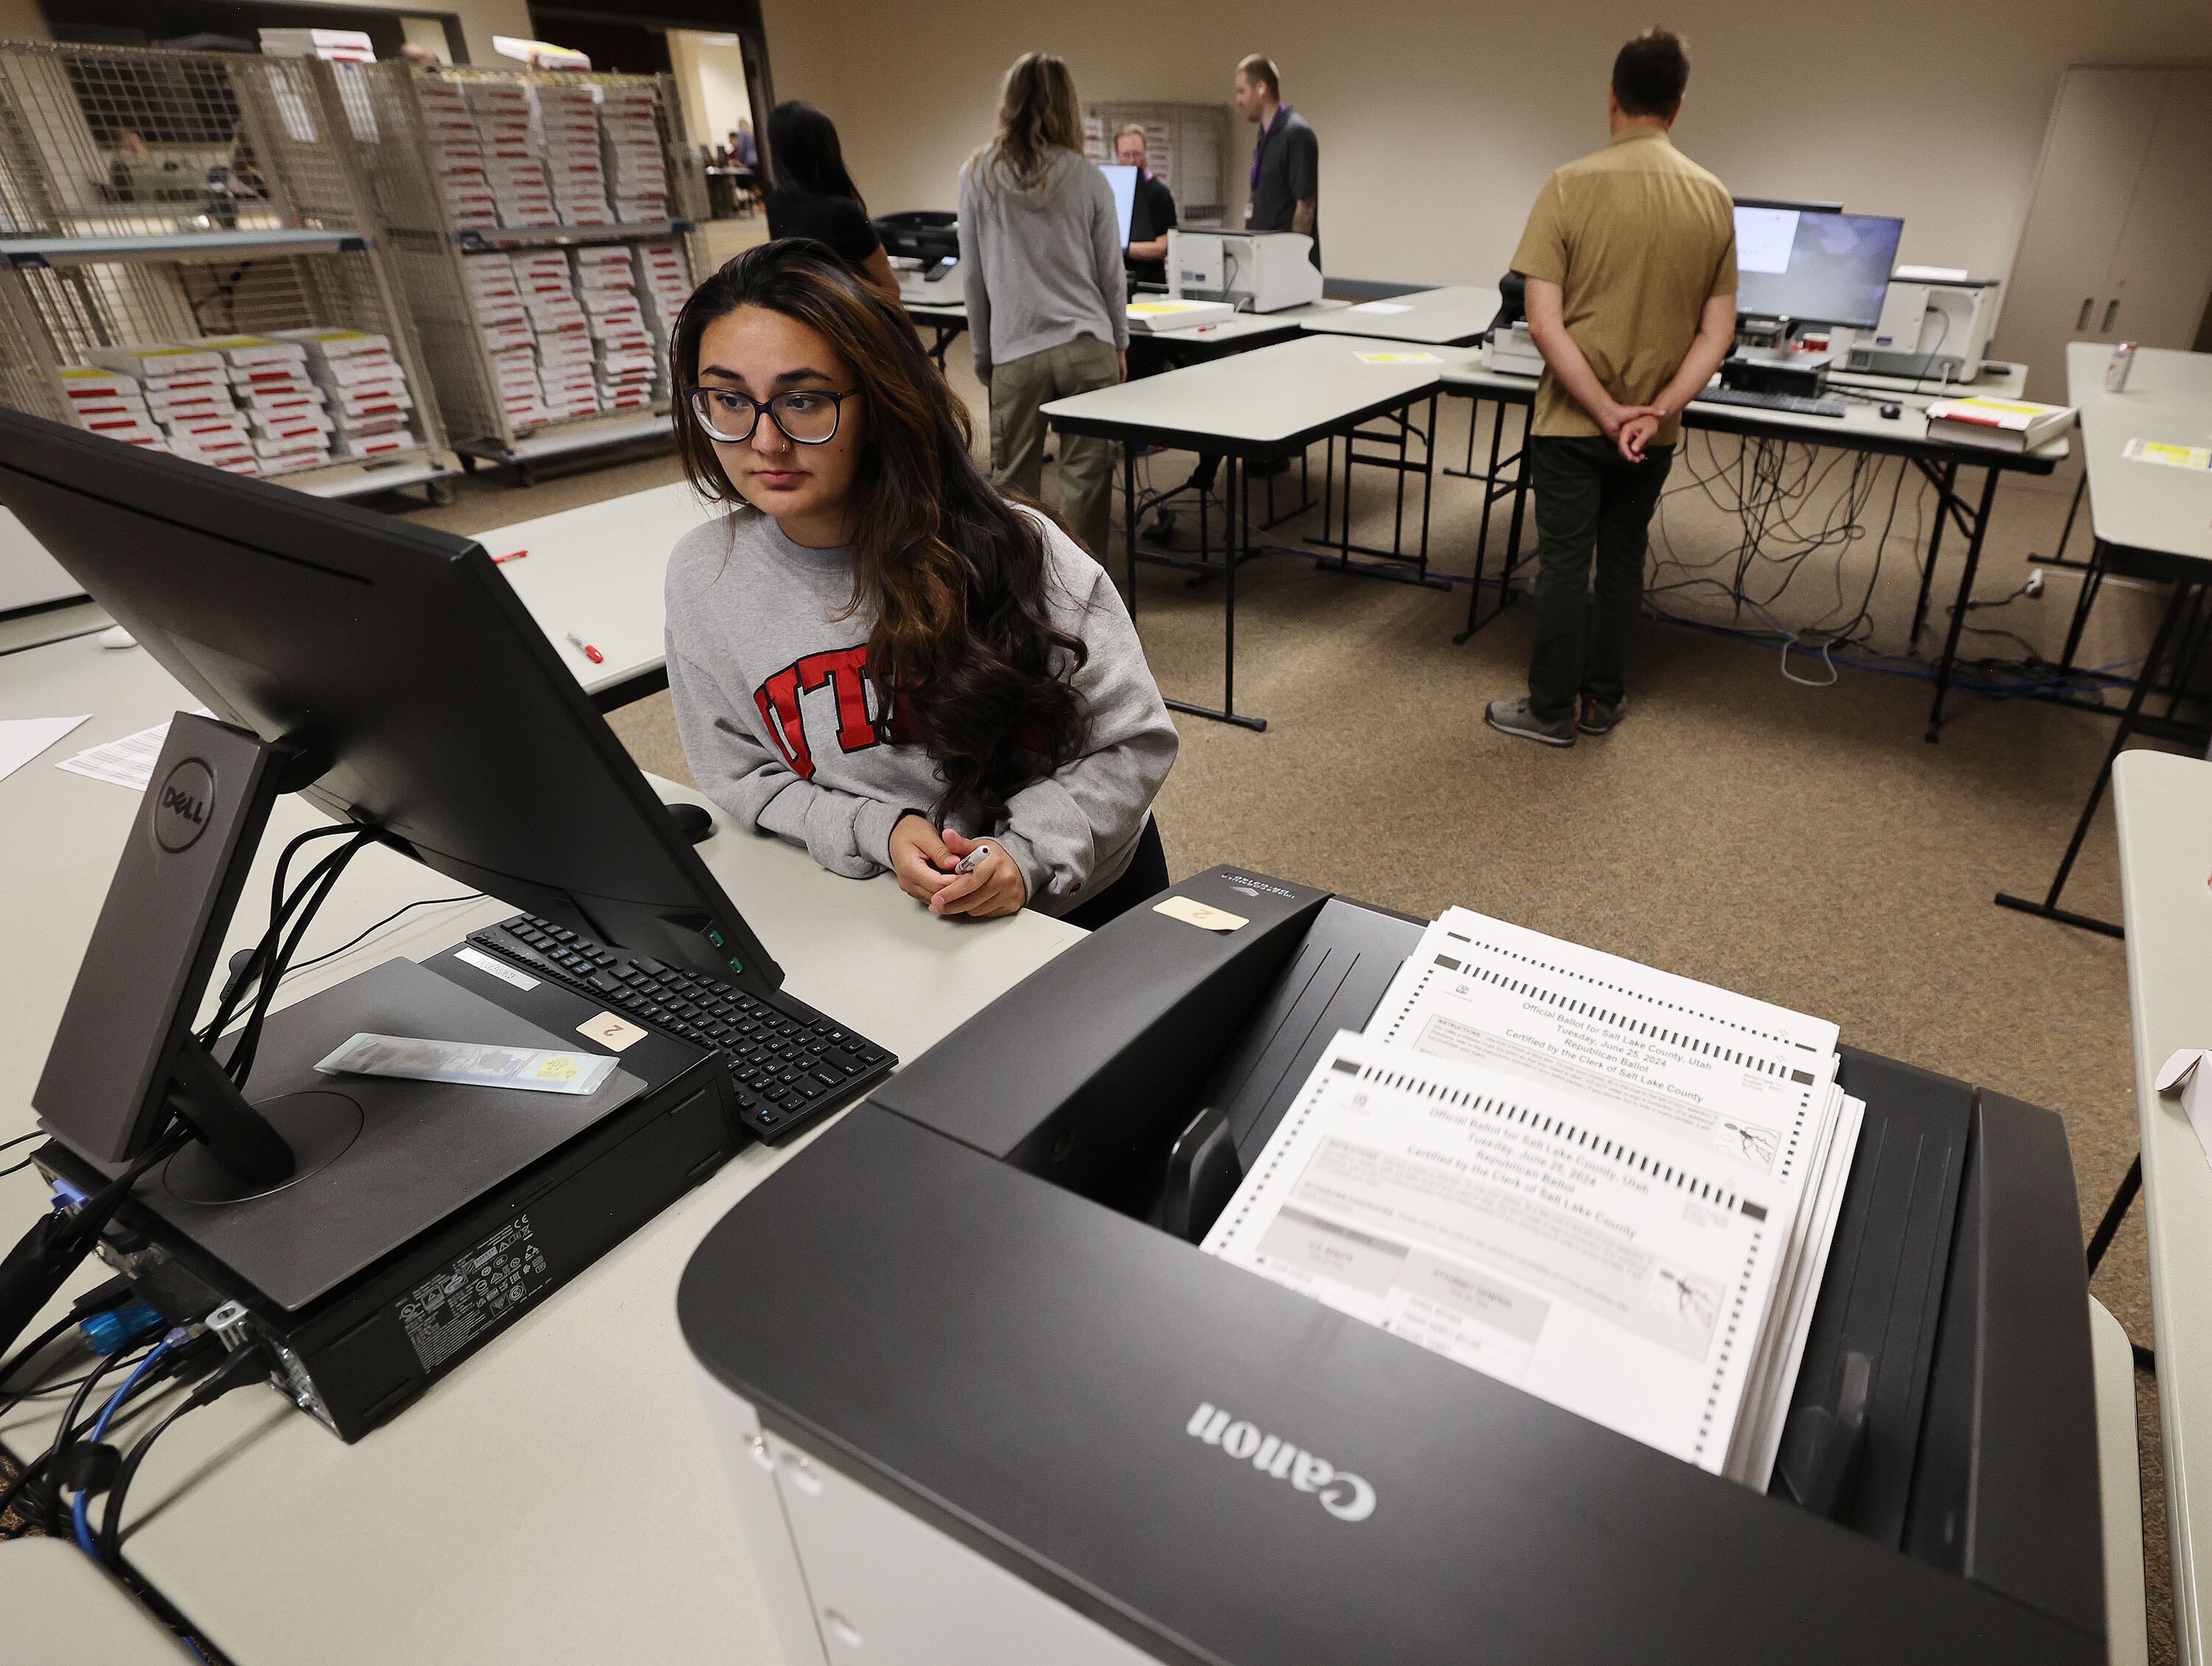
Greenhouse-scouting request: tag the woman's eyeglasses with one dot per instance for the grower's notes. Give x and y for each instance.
(805, 417)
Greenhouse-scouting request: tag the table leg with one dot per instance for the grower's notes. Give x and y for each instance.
(1943, 667)
(1489, 501)
(2048, 908)
(2093, 580)
(1520, 508)
(1129, 519)
(1236, 533)
(1428, 482)
(1404, 448)
(1946, 495)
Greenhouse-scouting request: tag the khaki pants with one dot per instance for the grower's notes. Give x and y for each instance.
(1019, 388)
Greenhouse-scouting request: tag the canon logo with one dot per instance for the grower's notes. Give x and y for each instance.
(1343, 1495)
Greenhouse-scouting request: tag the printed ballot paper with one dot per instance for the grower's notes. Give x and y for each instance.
(1522, 1229)
(1727, 1092)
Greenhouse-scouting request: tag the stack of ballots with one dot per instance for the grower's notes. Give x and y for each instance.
(1611, 1186)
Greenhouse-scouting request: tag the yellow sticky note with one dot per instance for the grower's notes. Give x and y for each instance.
(558, 1067)
(1398, 359)
(1202, 915)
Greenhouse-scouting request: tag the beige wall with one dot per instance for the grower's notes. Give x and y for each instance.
(1439, 118)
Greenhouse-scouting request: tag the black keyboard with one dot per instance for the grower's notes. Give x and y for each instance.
(1796, 404)
(791, 1066)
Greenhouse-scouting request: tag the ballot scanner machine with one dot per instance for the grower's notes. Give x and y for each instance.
(998, 1407)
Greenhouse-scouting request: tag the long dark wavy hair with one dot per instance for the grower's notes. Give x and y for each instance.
(804, 155)
(963, 656)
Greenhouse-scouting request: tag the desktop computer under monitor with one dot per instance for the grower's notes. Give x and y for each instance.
(389, 673)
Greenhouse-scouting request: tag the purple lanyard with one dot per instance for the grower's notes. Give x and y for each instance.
(1259, 149)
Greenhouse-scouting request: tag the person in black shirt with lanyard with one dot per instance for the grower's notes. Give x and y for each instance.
(1287, 160)
(1152, 217)
(813, 196)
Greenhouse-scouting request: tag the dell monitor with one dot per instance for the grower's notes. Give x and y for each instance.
(1813, 265)
(398, 660)
(1122, 179)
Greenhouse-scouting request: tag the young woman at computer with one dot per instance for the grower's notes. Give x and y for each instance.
(872, 652)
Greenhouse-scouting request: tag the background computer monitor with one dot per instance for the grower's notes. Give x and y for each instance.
(1123, 179)
(402, 656)
(1814, 266)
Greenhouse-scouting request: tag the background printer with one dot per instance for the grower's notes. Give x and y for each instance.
(963, 1425)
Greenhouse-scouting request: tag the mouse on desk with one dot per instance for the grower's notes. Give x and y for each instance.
(694, 821)
(1892, 410)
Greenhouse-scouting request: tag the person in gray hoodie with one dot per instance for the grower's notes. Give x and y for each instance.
(875, 654)
(1041, 261)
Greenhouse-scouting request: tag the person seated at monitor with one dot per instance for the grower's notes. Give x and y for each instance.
(875, 654)
(811, 195)
(1152, 215)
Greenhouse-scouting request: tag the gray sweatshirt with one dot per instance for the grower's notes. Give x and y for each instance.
(768, 674)
(1040, 267)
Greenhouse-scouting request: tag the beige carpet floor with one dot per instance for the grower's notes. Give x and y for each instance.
(1804, 844)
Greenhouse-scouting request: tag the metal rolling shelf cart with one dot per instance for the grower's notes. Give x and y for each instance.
(147, 196)
(430, 243)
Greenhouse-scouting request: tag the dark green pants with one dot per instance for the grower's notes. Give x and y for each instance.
(1589, 500)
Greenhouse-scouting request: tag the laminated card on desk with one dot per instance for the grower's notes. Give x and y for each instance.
(1525, 1231)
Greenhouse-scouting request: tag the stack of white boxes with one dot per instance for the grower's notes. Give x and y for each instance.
(637, 171)
(104, 401)
(607, 282)
(187, 391)
(502, 111)
(563, 331)
(457, 154)
(568, 137)
(510, 341)
(369, 399)
(283, 408)
(667, 285)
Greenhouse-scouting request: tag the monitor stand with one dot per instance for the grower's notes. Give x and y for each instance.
(125, 1059)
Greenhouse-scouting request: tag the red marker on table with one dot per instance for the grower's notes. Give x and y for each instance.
(588, 650)
(501, 561)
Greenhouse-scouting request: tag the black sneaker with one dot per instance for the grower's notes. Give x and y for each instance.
(1513, 717)
(1596, 718)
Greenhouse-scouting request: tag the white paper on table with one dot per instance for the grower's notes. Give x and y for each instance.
(22, 739)
(1382, 309)
(1525, 1230)
(128, 762)
(1747, 1079)
(2187, 1072)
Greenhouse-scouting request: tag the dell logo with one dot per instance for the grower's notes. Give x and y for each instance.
(182, 805)
(1343, 1495)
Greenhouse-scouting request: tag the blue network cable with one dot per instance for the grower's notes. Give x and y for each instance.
(176, 1338)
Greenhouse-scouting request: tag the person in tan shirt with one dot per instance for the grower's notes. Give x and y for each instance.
(1629, 260)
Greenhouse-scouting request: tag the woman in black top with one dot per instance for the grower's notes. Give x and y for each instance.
(812, 195)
